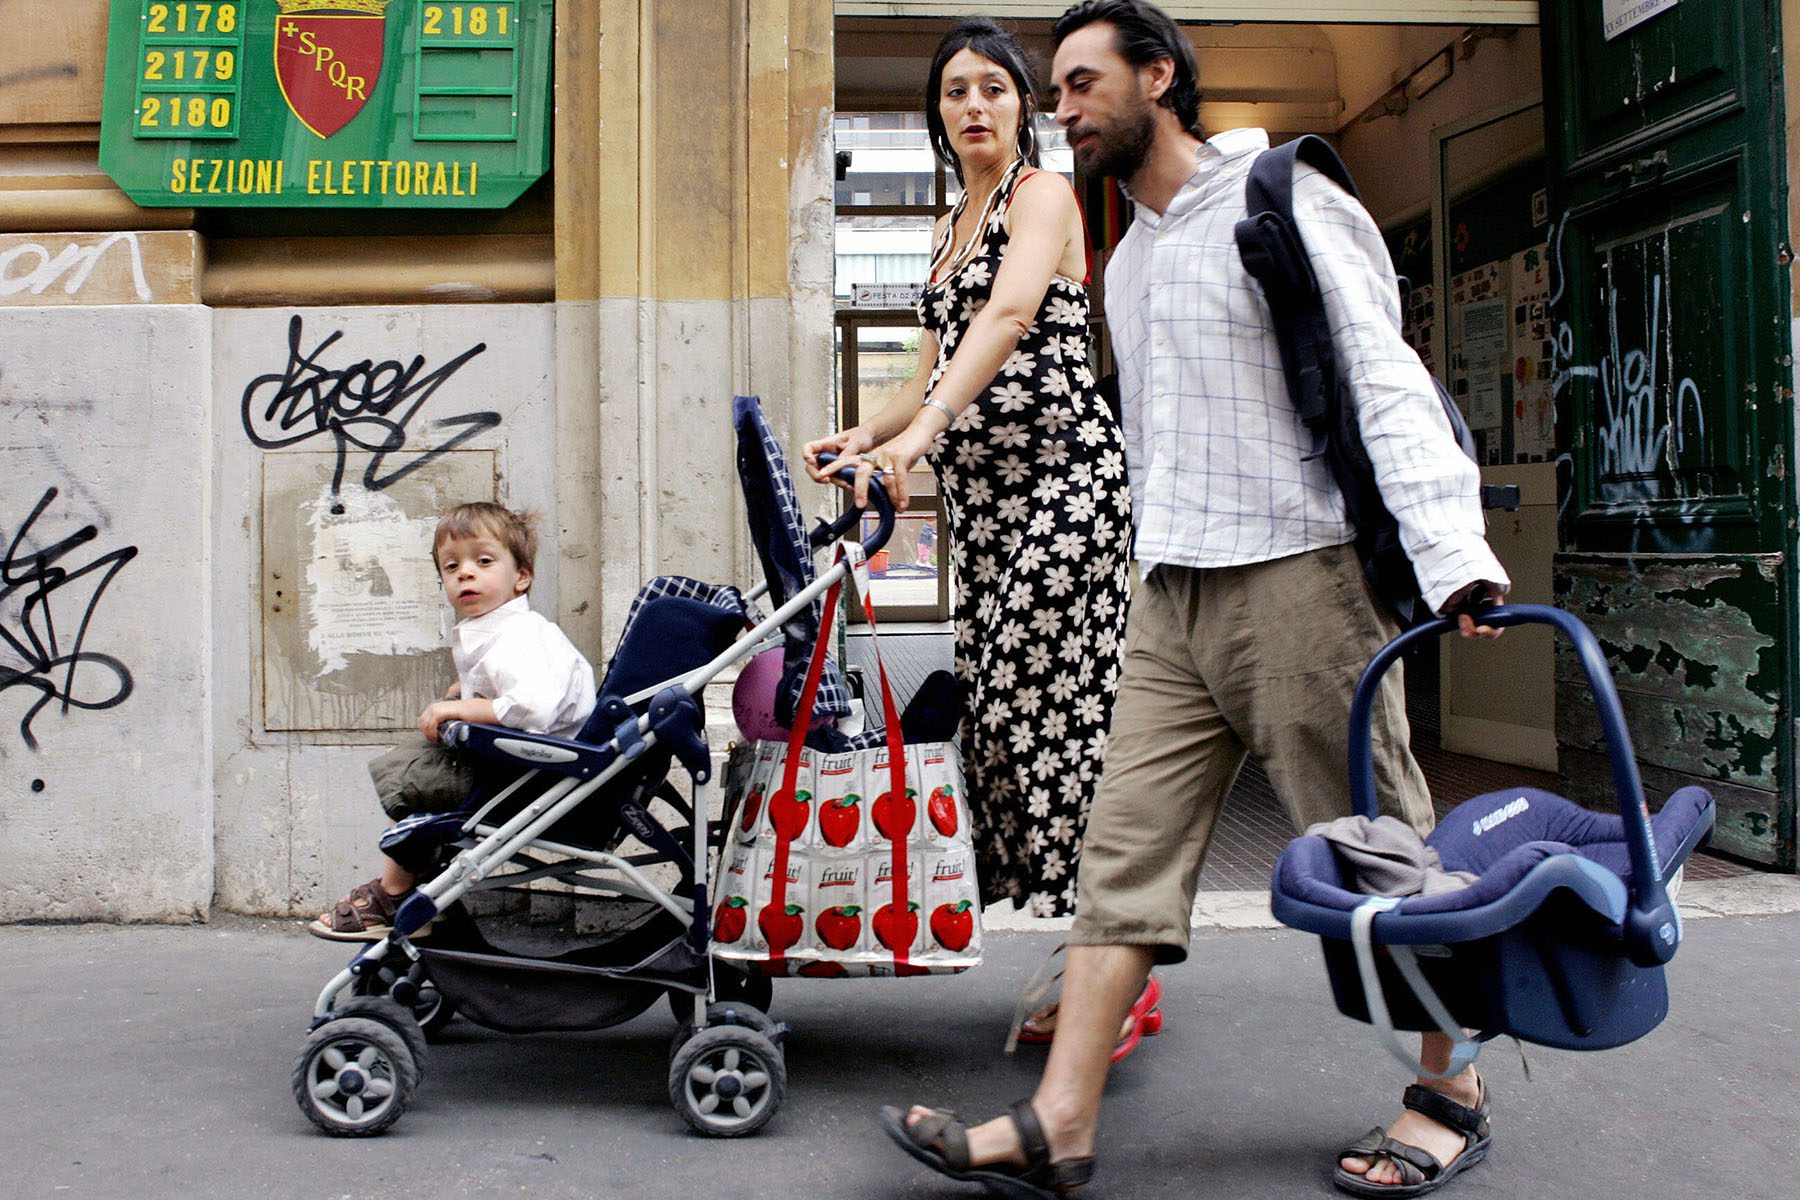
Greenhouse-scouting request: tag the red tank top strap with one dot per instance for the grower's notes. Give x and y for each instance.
(1087, 243)
(1023, 176)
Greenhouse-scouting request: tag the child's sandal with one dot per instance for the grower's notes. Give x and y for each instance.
(365, 914)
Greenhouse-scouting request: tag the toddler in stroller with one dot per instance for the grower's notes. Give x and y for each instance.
(566, 808)
(513, 667)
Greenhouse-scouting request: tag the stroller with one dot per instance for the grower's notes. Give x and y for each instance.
(562, 809)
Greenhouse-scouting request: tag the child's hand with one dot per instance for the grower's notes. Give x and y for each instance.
(479, 712)
(454, 691)
(436, 714)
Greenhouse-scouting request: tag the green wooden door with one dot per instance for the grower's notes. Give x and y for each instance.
(1670, 307)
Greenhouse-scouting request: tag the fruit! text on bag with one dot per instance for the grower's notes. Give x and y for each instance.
(859, 863)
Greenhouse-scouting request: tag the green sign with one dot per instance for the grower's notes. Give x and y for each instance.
(327, 103)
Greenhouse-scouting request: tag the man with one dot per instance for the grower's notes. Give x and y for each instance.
(1253, 621)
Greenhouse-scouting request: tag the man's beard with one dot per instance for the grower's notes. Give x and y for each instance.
(1121, 147)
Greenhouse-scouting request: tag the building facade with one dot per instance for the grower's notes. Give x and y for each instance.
(225, 420)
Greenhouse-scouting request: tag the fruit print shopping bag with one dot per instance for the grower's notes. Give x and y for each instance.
(859, 863)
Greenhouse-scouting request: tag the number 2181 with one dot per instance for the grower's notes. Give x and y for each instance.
(476, 20)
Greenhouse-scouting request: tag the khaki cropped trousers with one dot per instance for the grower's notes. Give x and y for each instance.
(1220, 663)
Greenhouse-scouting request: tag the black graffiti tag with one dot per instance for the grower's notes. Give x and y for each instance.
(365, 406)
(50, 664)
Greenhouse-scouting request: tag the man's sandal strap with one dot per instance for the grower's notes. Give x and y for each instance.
(1416, 1165)
(1031, 1134)
(1064, 1174)
(1472, 1123)
(941, 1131)
(1367, 1146)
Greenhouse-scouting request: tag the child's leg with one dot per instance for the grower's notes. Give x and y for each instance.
(420, 776)
(414, 777)
(396, 880)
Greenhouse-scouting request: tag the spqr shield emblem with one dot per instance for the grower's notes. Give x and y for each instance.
(327, 58)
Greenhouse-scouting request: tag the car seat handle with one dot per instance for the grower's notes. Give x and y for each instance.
(1651, 929)
(878, 500)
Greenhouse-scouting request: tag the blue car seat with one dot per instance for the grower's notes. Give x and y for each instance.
(1561, 939)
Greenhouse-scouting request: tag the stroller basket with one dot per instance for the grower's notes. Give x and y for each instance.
(1561, 939)
(588, 987)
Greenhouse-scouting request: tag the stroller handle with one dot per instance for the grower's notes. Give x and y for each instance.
(1651, 928)
(825, 534)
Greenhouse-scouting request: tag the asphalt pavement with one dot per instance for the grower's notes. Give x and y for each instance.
(152, 1061)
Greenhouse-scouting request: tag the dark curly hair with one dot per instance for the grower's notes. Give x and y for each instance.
(1145, 34)
(996, 43)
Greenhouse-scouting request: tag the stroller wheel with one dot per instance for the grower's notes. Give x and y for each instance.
(730, 985)
(752, 987)
(721, 1013)
(354, 1077)
(395, 1016)
(727, 1081)
(430, 1008)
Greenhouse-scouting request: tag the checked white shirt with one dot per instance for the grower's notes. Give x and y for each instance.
(1217, 453)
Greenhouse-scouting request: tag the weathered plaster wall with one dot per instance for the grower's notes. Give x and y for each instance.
(701, 268)
(105, 612)
(297, 818)
(692, 261)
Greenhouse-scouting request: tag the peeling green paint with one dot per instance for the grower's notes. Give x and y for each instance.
(1696, 655)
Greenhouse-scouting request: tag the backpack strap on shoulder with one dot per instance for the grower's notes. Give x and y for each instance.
(1271, 184)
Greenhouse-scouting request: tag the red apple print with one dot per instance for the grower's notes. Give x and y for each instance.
(839, 927)
(897, 927)
(941, 808)
(839, 818)
(782, 927)
(953, 925)
(730, 919)
(788, 812)
(894, 818)
(824, 970)
(752, 806)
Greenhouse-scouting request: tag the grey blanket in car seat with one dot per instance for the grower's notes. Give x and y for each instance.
(1387, 857)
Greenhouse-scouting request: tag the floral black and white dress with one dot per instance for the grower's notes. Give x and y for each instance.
(1039, 515)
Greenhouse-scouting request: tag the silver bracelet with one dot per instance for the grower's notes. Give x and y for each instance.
(941, 407)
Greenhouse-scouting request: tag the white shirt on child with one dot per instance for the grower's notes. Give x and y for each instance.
(526, 665)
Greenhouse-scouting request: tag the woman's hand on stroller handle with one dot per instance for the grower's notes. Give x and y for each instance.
(872, 490)
(822, 452)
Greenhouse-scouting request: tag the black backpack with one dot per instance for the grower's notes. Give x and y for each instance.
(1273, 252)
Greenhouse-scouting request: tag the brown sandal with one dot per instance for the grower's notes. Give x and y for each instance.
(941, 1142)
(365, 914)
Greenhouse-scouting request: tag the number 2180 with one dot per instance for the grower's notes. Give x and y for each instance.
(191, 112)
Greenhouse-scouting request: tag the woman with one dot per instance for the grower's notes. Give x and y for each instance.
(1031, 468)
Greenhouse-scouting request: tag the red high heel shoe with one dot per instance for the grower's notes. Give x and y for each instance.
(1144, 1020)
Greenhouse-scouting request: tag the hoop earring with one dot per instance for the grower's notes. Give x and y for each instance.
(1027, 134)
